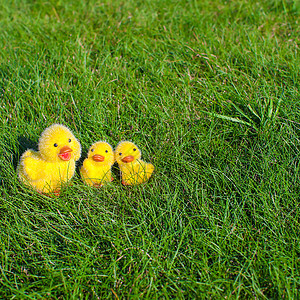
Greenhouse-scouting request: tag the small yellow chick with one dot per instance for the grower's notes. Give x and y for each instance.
(54, 162)
(133, 169)
(96, 168)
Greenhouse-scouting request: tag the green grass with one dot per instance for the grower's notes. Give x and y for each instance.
(220, 216)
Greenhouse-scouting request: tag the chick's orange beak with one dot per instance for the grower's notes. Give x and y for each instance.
(128, 159)
(98, 157)
(65, 153)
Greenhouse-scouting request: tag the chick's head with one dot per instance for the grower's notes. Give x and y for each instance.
(57, 143)
(127, 152)
(102, 152)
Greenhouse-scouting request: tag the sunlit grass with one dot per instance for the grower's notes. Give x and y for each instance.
(209, 91)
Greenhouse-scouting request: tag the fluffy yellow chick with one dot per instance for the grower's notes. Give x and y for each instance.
(133, 169)
(54, 162)
(96, 168)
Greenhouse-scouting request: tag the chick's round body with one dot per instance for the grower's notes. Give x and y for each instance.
(96, 168)
(136, 172)
(47, 169)
(133, 169)
(42, 175)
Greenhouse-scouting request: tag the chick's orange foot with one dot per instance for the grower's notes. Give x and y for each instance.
(56, 193)
(53, 193)
(125, 183)
(98, 185)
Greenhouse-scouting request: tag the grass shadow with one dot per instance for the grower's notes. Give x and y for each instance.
(24, 144)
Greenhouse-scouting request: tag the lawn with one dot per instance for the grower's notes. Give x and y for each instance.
(209, 90)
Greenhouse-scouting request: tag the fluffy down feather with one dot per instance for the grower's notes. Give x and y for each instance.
(54, 163)
(133, 169)
(96, 168)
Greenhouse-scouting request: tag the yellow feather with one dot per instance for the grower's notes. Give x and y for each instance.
(133, 169)
(96, 168)
(54, 164)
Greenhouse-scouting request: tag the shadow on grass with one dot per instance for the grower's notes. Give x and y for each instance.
(24, 144)
(116, 172)
(12, 152)
(79, 163)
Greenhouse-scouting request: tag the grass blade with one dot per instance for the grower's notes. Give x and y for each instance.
(253, 111)
(227, 118)
(241, 112)
(270, 109)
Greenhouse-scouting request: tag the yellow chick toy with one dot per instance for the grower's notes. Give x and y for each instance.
(133, 169)
(96, 168)
(54, 162)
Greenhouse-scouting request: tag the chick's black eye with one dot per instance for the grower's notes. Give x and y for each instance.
(69, 140)
(134, 149)
(55, 145)
(92, 150)
(120, 153)
(106, 151)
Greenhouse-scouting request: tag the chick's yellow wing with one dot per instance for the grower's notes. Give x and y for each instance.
(88, 166)
(32, 166)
